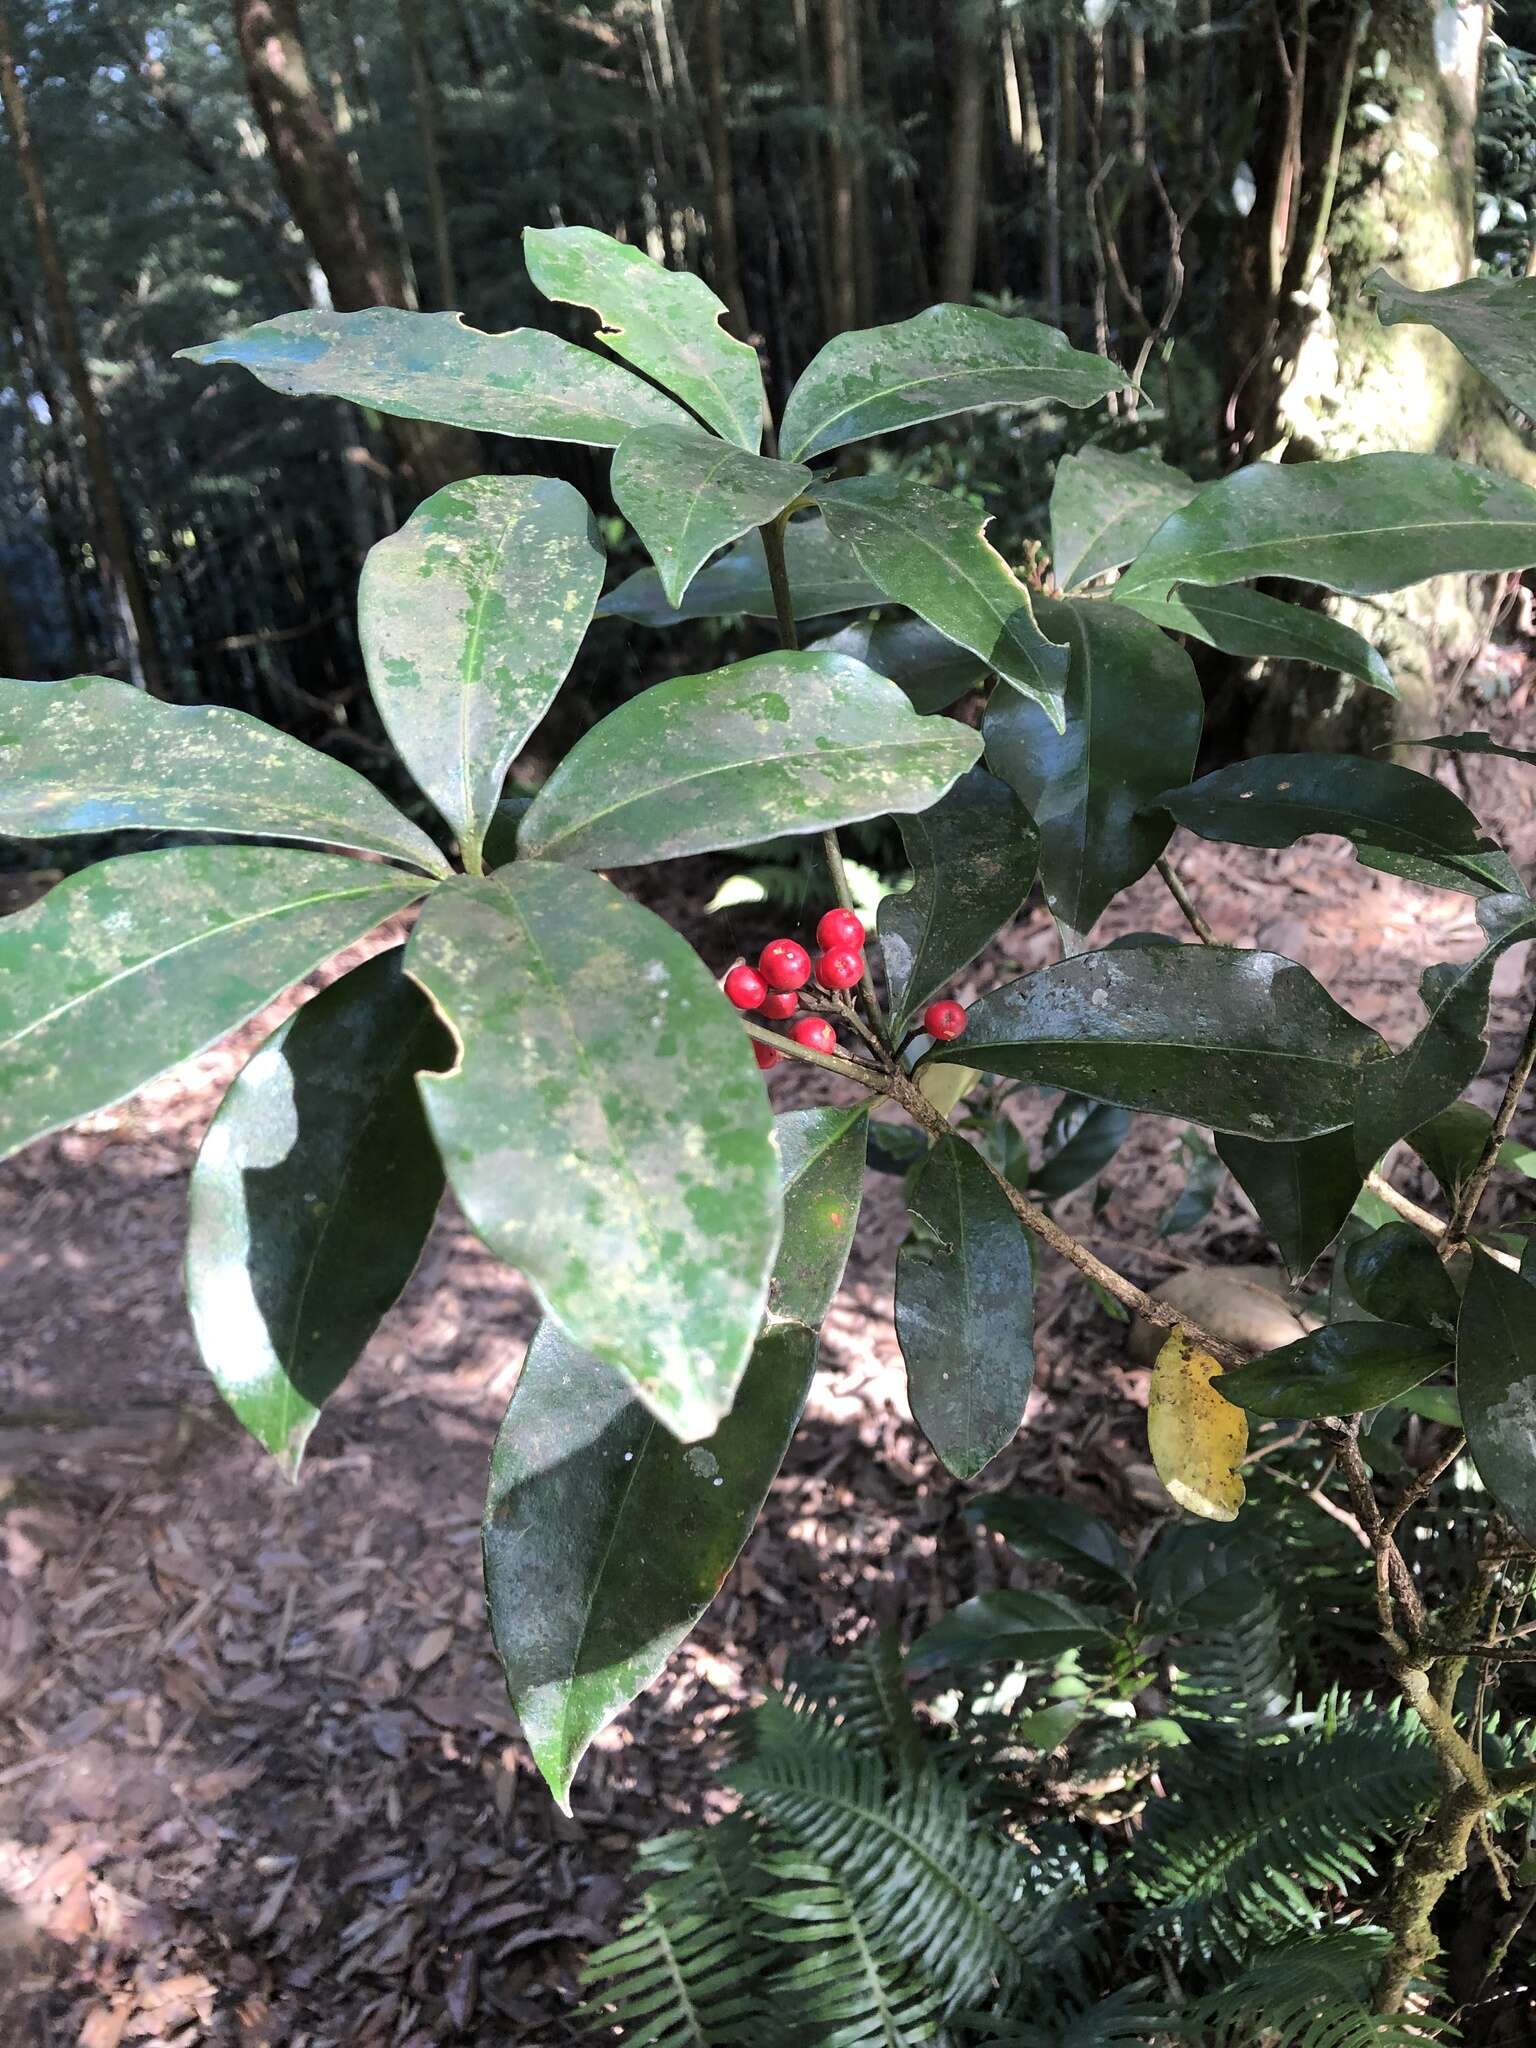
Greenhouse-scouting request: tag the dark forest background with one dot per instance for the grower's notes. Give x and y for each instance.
(1198, 187)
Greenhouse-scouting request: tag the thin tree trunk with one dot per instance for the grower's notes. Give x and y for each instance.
(15, 654)
(839, 258)
(813, 170)
(118, 558)
(717, 140)
(962, 184)
(424, 106)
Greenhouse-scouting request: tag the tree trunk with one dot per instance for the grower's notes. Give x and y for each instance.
(962, 185)
(15, 654)
(327, 200)
(119, 562)
(717, 142)
(424, 106)
(840, 260)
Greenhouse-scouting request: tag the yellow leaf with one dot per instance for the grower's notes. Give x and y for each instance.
(1197, 1439)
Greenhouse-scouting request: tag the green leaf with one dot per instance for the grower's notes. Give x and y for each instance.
(430, 366)
(127, 968)
(1082, 1137)
(89, 755)
(1451, 1143)
(824, 576)
(1133, 711)
(1055, 1530)
(821, 1162)
(1204, 1173)
(965, 1310)
(973, 857)
(1244, 1042)
(605, 1128)
(1490, 320)
(501, 836)
(1024, 1628)
(1364, 525)
(1244, 622)
(946, 360)
(665, 322)
(1496, 1381)
(1336, 1371)
(311, 1199)
(928, 551)
(781, 743)
(1475, 743)
(1106, 507)
(932, 670)
(1303, 1191)
(1399, 1094)
(605, 1539)
(1397, 821)
(470, 617)
(687, 494)
(1396, 1274)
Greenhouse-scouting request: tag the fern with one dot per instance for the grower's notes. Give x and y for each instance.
(1126, 2019)
(1234, 1681)
(864, 1693)
(905, 1843)
(1310, 1993)
(1249, 1855)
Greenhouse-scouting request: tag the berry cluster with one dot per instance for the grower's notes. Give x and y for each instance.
(784, 968)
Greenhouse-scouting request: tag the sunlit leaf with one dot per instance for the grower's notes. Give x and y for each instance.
(1196, 1438)
(824, 576)
(1106, 507)
(1491, 320)
(688, 494)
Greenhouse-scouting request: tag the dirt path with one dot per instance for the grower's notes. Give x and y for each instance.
(259, 1783)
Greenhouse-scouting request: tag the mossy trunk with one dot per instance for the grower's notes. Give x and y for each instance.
(1366, 159)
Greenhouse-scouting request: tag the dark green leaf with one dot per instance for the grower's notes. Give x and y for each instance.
(501, 838)
(1435, 1404)
(973, 858)
(1476, 743)
(311, 1200)
(1366, 524)
(1396, 1274)
(781, 743)
(1491, 320)
(1134, 712)
(665, 322)
(1056, 1530)
(932, 670)
(470, 617)
(1254, 627)
(821, 1163)
(1203, 1175)
(605, 1128)
(1403, 823)
(824, 576)
(127, 968)
(1024, 1628)
(1106, 507)
(965, 1310)
(929, 551)
(1303, 1192)
(893, 1148)
(1085, 1137)
(1451, 1142)
(1336, 1371)
(946, 360)
(1398, 1094)
(1496, 1380)
(605, 1538)
(1244, 1042)
(687, 494)
(90, 755)
(430, 366)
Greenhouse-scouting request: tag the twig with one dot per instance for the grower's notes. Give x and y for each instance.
(1185, 901)
(1477, 1180)
(1410, 1211)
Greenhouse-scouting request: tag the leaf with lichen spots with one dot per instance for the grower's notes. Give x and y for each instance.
(605, 1128)
(430, 366)
(824, 577)
(686, 494)
(665, 322)
(470, 617)
(782, 743)
(1197, 1439)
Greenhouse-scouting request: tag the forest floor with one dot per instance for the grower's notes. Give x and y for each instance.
(259, 1782)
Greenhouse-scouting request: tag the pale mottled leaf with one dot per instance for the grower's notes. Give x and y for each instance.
(687, 494)
(824, 576)
(1491, 320)
(1106, 507)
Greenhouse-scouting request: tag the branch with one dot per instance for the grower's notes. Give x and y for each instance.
(1185, 901)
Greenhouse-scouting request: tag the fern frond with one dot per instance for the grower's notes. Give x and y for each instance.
(1233, 1682)
(906, 1844)
(682, 1972)
(1129, 2018)
(1311, 1993)
(864, 1694)
(1247, 1856)
(847, 1987)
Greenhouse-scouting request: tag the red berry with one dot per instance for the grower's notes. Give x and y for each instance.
(944, 1020)
(784, 964)
(746, 987)
(765, 1055)
(815, 1032)
(779, 1003)
(839, 967)
(840, 929)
